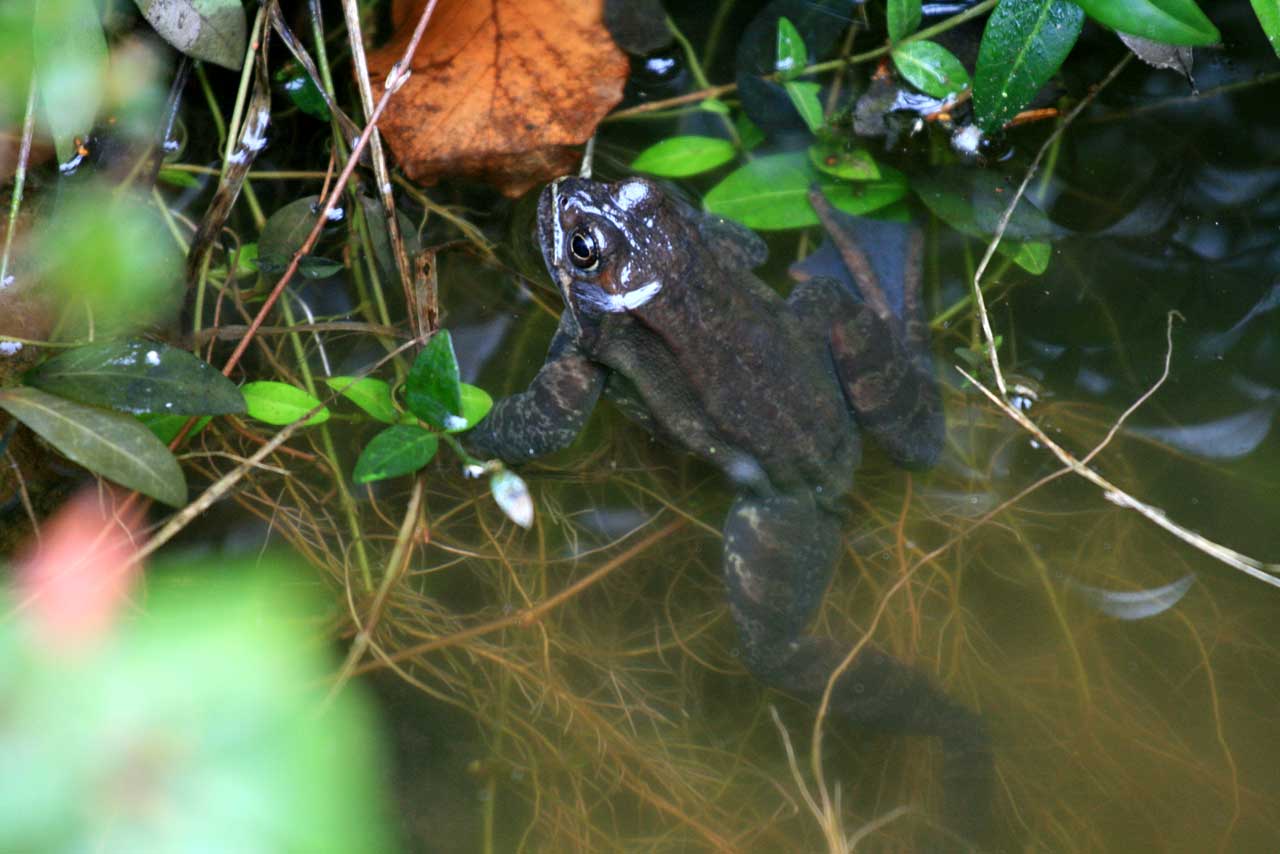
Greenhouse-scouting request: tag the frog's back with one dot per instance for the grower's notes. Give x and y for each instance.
(723, 352)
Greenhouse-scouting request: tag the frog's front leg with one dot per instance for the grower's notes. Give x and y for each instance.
(778, 556)
(550, 414)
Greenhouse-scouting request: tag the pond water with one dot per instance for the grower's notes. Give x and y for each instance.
(1129, 679)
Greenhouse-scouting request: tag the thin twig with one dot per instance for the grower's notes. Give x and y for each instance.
(19, 179)
(396, 565)
(1265, 572)
(1003, 223)
(396, 78)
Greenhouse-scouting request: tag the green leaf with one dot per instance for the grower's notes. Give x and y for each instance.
(1170, 21)
(513, 497)
(70, 54)
(834, 160)
(211, 30)
(247, 260)
(397, 450)
(303, 91)
(1023, 45)
(931, 68)
(107, 443)
(139, 376)
(793, 56)
(974, 200)
(1032, 256)
(15, 71)
(177, 178)
(903, 18)
(432, 390)
(863, 197)
(955, 202)
(316, 267)
(714, 105)
(1268, 12)
(749, 135)
(166, 427)
(281, 403)
(681, 156)
(284, 234)
(772, 192)
(476, 404)
(804, 97)
(369, 393)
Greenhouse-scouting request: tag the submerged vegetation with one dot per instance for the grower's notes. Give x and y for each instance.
(220, 290)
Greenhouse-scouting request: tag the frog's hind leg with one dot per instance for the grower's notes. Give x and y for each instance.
(884, 369)
(778, 555)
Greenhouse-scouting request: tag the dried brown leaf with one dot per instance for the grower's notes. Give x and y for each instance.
(502, 90)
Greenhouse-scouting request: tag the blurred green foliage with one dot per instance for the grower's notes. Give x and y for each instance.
(110, 261)
(197, 726)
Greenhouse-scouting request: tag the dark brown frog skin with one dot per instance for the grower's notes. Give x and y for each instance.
(663, 314)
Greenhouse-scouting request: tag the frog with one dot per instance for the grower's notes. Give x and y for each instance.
(665, 316)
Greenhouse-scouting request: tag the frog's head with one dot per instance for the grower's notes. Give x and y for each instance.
(610, 248)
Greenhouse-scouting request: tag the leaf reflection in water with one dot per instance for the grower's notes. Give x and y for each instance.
(1133, 604)
(1221, 439)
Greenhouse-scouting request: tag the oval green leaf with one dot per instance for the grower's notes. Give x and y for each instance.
(903, 18)
(397, 450)
(793, 55)
(1169, 21)
(954, 203)
(1023, 45)
(682, 156)
(769, 193)
(107, 443)
(280, 403)
(211, 30)
(476, 404)
(70, 54)
(139, 376)
(834, 160)
(1268, 12)
(804, 97)
(863, 197)
(285, 232)
(432, 390)
(369, 393)
(931, 68)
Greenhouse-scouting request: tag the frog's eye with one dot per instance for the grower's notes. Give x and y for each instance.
(582, 250)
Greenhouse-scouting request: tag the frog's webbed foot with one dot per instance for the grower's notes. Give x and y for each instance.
(778, 555)
(549, 415)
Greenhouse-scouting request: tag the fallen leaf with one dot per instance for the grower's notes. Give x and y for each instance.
(501, 90)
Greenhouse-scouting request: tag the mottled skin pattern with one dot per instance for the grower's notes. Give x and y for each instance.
(664, 315)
